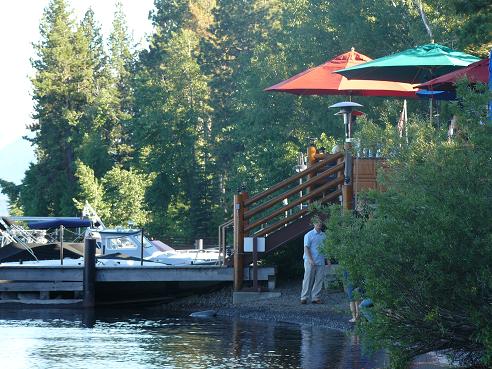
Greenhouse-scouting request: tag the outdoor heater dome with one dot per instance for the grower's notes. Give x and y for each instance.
(346, 109)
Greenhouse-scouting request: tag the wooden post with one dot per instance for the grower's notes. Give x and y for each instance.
(255, 264)
(347, 188)
(223, 245)
(238, 241)
(61, 245)
(142, 248)
(89, 273)
(88, 318)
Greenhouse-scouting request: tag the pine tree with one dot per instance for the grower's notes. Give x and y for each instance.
(97, 121)
(122, 60)
(474, 35)
(171, 124)
(238, 26)
(12, 191)
(69, 84)
(59, 93)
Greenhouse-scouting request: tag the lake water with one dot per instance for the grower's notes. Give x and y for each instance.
(121, 339)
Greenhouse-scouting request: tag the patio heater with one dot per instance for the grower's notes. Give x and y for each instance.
(346, 109)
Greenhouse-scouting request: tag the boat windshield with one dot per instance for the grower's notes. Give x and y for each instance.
(118, 243)
(126, 242)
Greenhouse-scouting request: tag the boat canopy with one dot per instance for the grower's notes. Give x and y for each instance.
(57, 222)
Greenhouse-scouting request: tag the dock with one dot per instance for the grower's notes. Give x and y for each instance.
(63, 286)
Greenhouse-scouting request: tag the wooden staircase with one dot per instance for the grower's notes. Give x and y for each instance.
(292, 231)
(280, 213)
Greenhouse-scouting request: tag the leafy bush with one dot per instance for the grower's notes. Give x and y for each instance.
(423, 248)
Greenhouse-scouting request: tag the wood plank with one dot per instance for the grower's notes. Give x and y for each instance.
(175, 274)
(40, 286)
(311, 195)
(41, 273)
(126, 274)
(52, 302)
(365, 174)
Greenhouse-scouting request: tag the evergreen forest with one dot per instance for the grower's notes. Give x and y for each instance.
(163, 135)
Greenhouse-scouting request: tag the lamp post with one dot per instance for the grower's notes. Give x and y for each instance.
(346, 109)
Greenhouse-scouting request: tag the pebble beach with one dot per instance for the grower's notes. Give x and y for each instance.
(332, 313)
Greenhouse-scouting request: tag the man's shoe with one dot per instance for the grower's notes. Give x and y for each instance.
(353, 320)
(316, 302)
(303, 302)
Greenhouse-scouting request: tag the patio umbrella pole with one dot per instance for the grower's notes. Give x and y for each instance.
(430, 109)
(490, 88)
(405, 117)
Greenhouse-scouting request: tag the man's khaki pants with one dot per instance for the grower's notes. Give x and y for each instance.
(313, 281)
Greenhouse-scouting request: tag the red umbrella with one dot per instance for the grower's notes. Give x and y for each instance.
(476, 72)
(321, 80)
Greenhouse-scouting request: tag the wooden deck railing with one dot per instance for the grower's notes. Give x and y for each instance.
(289, 197)
(285, 202)
(280, 213)
(266, 212)
(310, 170)
(223, 240)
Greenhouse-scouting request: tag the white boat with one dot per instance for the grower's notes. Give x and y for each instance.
(115, 246)
(128, 242)
(45, 245)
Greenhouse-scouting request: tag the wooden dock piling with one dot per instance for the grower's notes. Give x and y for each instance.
(89, 273)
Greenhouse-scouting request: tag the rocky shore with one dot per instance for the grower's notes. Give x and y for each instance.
(332, 313)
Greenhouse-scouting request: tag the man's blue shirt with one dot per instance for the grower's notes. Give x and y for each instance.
(313, 240)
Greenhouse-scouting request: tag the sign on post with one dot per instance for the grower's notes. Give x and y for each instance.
(248, 244)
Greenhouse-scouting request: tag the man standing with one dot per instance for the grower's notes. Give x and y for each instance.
(314, 264)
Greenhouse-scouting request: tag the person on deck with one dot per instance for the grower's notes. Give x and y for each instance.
(314, 264)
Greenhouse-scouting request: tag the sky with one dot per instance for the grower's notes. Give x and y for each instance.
(19, 28)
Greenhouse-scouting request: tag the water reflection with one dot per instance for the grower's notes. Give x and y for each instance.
(317, 352)
(77, 339)
(355, 356)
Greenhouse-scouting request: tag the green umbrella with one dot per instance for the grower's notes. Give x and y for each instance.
(416, 65)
